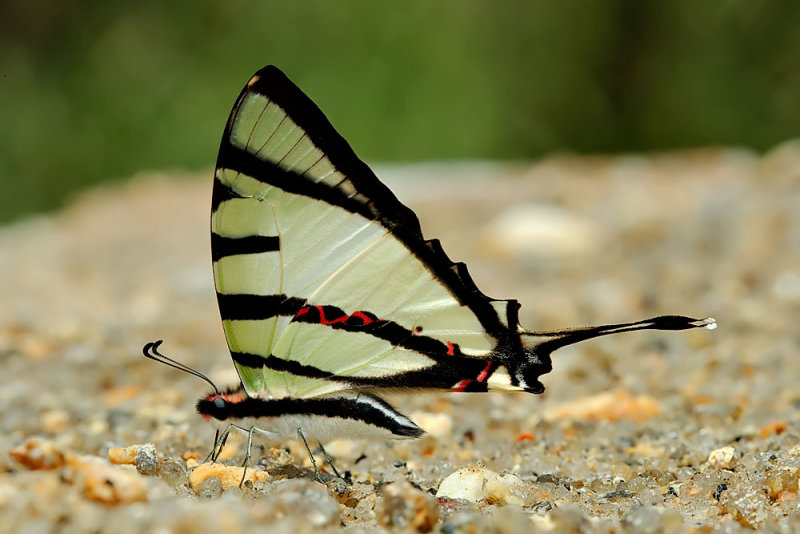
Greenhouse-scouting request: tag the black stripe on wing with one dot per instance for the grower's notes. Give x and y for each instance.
(254, 307)
(442, 375)
(231, 246)
(460, 373)
(240, 160)
(220, 193)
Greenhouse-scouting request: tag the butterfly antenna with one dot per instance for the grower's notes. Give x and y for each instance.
(151, 351)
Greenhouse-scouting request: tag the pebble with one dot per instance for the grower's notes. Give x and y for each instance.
(651, 519)
(611, 406)
(209, 488)
(538, 230)
(147, 460)
(774, 427)
(476, 483)
(401, 506)
(55, 421)
(173, 472)
(230, 476)
(749, 508)
(722, 458)
(38, 453)
(347, 450)
(781, 482)
(438, 425)
(106, 483)
(303, 498)
(123, 455)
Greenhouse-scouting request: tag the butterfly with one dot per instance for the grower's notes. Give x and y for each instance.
(329, 294)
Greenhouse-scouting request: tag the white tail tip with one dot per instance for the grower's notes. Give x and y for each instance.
(710, 323)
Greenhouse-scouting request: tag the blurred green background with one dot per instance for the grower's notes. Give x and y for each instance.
(98, 90)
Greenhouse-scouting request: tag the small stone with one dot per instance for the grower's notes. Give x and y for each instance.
(38, 454)
(106, 483)
(778, 481)
(610, 406)
(230, 476)
(55, 421)
(567, 518)
(147, 460)
(793, 452)
(209, 488)
(7, 493)
(116, 396)
(722, 458)
(538, 230)
(173, 472)
(525, 436)
(508, 489)
(468, 521)
(365, 508)
(476, 483)
(750, 508)
(438, 425)
(774, 427)
(123, 455)
(303, 498)
(345, 450)
(402, 505)
(468, 483)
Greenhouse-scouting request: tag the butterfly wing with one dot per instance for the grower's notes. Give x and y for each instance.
(323, 278)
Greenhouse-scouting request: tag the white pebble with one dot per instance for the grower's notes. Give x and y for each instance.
(722, 458)
(475, 483)
(438, 425)
(539, 230)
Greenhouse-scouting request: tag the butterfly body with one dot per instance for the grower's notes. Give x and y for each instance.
(347, 414)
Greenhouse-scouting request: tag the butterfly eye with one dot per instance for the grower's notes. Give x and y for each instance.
(219, 402)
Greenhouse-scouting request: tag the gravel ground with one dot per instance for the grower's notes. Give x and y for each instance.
(643, 432)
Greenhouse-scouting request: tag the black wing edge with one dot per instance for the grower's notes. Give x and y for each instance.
(275, 85)
(271, 82)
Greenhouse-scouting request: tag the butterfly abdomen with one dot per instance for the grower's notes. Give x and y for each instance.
(342, 415)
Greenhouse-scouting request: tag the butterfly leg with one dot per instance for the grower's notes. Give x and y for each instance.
(219, 443)
(247, 456)
(213, 447)
(330, 462)
(311, 456)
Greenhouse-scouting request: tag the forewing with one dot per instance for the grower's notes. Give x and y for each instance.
(324, 280)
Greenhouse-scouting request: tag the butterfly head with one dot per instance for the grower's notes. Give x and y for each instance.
(220, 405)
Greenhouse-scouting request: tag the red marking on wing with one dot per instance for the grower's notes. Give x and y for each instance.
(451, 349)
(461, 386)
(364, 317)
(482, 375)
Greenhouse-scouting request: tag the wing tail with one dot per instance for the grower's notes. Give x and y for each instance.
(537, 361)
